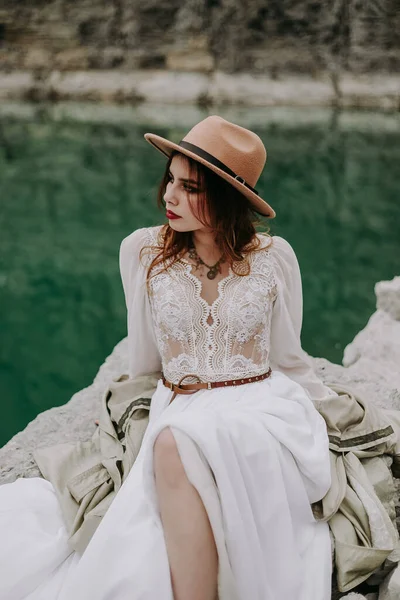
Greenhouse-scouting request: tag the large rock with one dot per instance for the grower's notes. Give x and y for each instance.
(295, 36)
(304, 51)
(371, 362)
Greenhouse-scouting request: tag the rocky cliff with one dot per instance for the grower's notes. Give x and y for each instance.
(330, 44)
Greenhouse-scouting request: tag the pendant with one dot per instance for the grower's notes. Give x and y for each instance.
(211, 274)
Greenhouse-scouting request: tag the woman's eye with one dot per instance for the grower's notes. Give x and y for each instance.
(189, 188)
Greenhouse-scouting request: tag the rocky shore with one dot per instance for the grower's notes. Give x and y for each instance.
(206, 90)
(370, 364)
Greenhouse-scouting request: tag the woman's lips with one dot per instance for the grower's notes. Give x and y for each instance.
(171, 215)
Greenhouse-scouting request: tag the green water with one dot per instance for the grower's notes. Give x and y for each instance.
(75, 180)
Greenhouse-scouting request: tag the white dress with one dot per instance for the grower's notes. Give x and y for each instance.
(257, 453)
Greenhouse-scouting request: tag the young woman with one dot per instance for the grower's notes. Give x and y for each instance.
(218, 502)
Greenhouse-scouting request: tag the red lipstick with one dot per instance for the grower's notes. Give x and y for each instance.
(171, 215)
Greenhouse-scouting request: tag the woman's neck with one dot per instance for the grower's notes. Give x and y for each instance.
(206, 247)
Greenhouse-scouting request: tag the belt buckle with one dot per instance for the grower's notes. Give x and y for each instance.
(209, 385)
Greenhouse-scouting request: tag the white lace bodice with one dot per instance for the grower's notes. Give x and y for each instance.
(236, 343)
(254, 322)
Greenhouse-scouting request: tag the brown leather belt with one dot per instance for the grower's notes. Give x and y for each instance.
(191, 388)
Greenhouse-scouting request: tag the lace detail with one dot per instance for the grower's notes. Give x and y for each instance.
(236, 342)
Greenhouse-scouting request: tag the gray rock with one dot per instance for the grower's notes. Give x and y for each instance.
(372, 360)
(355, 596)
(304, 53)
(187, 86)
(302, 36)
(390, 588)
(388, 297)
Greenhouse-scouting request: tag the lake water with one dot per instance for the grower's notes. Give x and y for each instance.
(76, 179)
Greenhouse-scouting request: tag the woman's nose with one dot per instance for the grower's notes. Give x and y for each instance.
(169, 195)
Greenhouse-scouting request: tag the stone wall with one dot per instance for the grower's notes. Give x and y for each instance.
(274, 40)
(274, 37)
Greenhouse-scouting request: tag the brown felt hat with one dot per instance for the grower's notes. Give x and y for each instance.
(236, 154)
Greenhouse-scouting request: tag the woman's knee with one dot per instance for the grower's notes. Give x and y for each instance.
(167, 462)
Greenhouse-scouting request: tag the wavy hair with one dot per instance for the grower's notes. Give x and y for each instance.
(231, 217)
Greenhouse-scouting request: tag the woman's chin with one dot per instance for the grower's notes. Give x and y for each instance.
(179, 225)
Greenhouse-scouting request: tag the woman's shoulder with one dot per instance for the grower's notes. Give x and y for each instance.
(274, 243)
(130, 254)
(282, 245)
(279, 250)
(143, 236)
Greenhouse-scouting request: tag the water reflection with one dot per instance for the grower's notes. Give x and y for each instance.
(73, 185)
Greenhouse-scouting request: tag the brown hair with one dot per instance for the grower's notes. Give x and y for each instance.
(231, 215)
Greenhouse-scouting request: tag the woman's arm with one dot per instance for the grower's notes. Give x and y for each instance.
(286, 354)
(143, 352)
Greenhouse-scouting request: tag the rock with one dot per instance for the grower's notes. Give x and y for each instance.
(178, 88)
(300, 36)
(15, 84)
(354, 596)
(109, 58)
(371, 361)
(390, 588)
(261, 90)
(38, 58)
(388, 297)
(73, 59)
(354, 53)
(356, 90)
(94, 85)
(198, 61)
(190, 54)
(83, 75)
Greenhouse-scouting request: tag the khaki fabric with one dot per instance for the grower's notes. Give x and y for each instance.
(359, 506)
(87, 475)
(355, 424)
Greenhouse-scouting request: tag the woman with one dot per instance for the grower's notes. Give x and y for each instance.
(218, 502)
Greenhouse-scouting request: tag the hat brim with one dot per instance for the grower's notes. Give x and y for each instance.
(167, 147)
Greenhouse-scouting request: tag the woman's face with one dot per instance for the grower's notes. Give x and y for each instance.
(179, 190)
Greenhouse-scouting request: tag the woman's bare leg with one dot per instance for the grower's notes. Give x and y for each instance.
(192, 554)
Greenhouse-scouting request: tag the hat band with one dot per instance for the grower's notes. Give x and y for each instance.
(214, 161)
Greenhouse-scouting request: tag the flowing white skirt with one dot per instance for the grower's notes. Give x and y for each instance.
(258, 456)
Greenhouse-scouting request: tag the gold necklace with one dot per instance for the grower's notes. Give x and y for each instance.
(213, 269)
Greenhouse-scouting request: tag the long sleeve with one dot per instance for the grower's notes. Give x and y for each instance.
(286, 353)
(143, 352)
